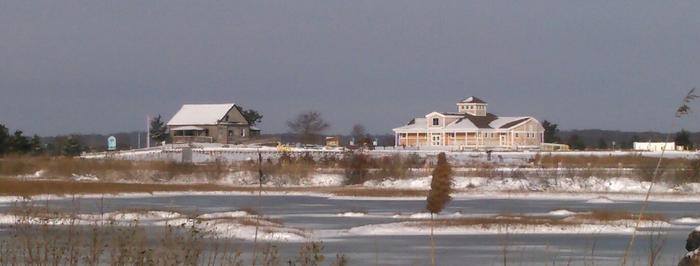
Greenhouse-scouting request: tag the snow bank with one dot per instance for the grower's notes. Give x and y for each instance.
(563, 184)
(600, 200)
(584, 227)
(352, 214)
(561, 213)
(219, 215)
(237, 224)
(410, 228)
(326, 180)
(687, 220)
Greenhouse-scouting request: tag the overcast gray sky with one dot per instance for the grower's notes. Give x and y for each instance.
(101, 66)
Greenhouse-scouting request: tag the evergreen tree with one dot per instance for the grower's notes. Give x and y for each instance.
(550, 132)
(72, 147)
(19, 143)
(252, 116)
(602, 144)
(439, 195)
(159, 130)
(36, 146)
(4, 139)
(576, 143)
(683, 139)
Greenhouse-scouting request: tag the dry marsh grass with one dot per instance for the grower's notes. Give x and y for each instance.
(29, 188)
(602, 216)
(606, 215)
(500, 220)
(67, 243)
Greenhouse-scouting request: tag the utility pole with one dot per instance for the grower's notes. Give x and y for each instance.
(148, 131)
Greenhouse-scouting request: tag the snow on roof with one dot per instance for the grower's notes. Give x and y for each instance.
(187, 128)
(507, 122)
(200, 114)
(415, 124)
(472, 99)
(470, 122)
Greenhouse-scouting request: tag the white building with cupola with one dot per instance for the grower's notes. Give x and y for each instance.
(472, 127)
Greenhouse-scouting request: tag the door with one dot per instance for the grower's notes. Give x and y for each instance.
(437, 139)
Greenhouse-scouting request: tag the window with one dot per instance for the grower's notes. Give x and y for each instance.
(242, 132)
(517, 135)
(436, 121)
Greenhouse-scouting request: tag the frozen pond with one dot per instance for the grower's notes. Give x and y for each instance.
(320, 214)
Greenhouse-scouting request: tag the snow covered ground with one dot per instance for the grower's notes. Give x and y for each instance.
(563, 184)
(236, 224)
(241, 225)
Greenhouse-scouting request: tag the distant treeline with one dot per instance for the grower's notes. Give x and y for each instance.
(603, 139)
(16, 142)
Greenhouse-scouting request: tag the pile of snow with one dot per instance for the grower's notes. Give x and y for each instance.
(405, 183)
(147, 216)
(600, 200)
(561, 213)
(420, 215)
(85, 178)
(426, 215)
(687, 220)
(37, 174)
(326, 180)
(352, 214)
(228, 228)
(221, 215)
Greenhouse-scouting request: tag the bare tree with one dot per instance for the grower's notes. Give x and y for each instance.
(358, 132)
(308, 126)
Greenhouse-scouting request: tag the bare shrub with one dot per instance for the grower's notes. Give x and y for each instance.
(310, 254)
(356, 168)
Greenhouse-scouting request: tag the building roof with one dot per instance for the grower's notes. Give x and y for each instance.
(200, 114)
(185, 128)
(470, 122)
(472, 99)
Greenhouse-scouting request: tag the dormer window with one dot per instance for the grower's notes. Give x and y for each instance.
(436, 121)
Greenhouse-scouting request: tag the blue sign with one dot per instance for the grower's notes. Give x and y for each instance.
(111, 143)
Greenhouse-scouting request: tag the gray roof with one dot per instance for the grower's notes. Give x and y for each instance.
(470, 122)
(472, 99)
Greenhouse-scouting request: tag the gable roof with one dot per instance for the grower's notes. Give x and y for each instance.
(514, 122)
(472, 99)
(200, 114)
(470, 122)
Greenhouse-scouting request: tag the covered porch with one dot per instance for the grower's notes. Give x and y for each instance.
(191, 134)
